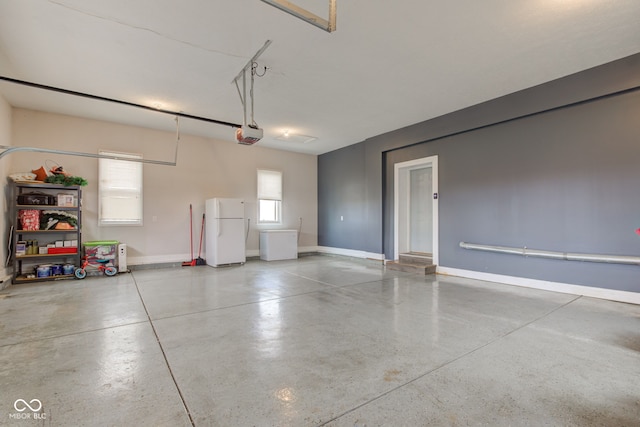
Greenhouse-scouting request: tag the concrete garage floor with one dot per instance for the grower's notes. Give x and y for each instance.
(318, 341)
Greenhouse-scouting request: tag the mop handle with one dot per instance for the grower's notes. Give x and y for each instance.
(201, 234)
(191, 229)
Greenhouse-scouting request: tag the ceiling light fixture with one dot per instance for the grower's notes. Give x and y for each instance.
(313, 19)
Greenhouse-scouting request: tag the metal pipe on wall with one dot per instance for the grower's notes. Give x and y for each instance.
(9, 150)
(567, 256)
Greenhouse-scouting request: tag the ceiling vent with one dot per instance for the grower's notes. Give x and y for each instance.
(295, 138)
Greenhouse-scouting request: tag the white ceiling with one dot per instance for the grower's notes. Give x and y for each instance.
(388, 65)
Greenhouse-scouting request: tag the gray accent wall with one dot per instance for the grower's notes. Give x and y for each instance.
(342, 187)
(564, 180)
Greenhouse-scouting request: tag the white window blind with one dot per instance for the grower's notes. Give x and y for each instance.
(120, 190)
(269, 185)
(269, 196)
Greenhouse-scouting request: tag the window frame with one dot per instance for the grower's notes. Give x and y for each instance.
(107, 192)
(265, 194)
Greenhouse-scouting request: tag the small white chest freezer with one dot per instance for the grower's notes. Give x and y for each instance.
(278, 245)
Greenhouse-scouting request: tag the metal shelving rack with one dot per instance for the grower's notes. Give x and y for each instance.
(19, 262)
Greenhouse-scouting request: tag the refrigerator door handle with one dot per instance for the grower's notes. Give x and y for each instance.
(218, 227)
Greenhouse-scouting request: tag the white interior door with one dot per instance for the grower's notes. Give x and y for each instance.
(420, 201)
(416, 207)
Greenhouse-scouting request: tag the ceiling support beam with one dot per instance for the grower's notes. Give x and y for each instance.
(243, 74)
(253, 59)
(313, 19)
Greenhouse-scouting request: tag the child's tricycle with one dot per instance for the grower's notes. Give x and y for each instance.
(101, 265)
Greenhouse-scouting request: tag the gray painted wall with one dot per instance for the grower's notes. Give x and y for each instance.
(566, 180)
(341, 186)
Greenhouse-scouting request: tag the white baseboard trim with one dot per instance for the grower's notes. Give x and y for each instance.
(251, 253)
(305, 249)
(6, 274)
(158, 259)
(301, 250)
(172, 258)
(351, 253)
(565, 288)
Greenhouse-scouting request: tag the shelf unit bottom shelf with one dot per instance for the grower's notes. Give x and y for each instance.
(24, 279)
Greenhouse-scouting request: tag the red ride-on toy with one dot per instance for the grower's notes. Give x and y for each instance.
(101, 265)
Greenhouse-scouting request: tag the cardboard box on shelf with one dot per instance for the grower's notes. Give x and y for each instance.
(60, 250)
(66, 200)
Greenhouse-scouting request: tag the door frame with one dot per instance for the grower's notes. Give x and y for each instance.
(400, 181)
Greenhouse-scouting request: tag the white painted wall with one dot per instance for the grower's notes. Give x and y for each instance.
(206, 168)
(5, 139)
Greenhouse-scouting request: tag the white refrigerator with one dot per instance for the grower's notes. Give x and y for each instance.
(224, 232)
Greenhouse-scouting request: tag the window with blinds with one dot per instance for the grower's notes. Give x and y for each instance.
(120, 190)
(269, 196)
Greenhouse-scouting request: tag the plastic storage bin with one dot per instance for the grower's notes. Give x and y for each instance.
(101, 250)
